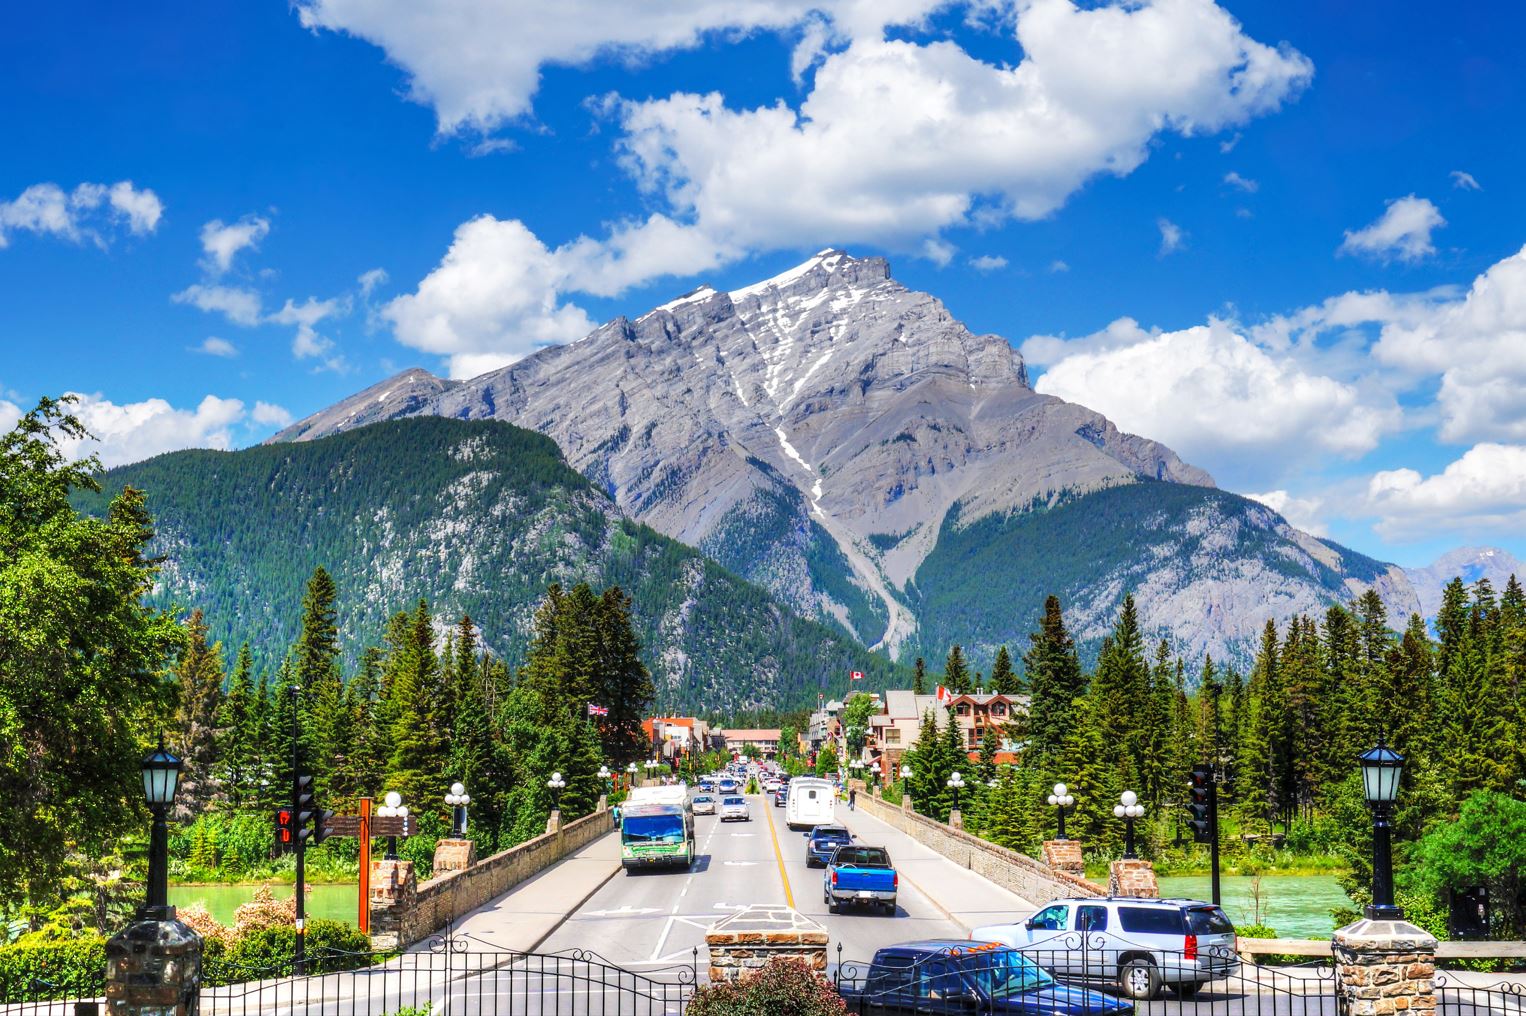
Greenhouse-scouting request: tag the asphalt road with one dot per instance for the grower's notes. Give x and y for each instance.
(658, 918)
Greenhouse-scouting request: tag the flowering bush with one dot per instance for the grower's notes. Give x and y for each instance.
(264, 911)
(786, 987)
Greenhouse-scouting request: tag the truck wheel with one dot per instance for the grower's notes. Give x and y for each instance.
(1138, 979)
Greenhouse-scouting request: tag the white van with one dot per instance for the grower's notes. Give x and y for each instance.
(811, 802)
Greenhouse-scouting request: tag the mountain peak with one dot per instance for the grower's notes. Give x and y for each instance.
(828, 262)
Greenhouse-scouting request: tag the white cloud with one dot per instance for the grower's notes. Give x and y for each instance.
(494, 297)
(9, 414)
(988, 262)
(478, 63)
(1217, 398)
(268, 414)
(1057, 266)
(86, 213)
(1477, 344)
(1302, 512)
(307, 344)
(1403, 231)
(1172, 239)
(1241, 183)
(1047, 350)
(1485, 489)
(1464, 181)
(370, 280)
(221, 241)
(130, 432)
(213, 346)
(239, 305)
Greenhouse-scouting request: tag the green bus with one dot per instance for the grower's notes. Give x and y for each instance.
(656, 835)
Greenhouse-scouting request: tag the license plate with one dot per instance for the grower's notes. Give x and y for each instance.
(865, 894)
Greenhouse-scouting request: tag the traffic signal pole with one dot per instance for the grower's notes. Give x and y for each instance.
(1203, 805)
(1213, 822)
(299, 959)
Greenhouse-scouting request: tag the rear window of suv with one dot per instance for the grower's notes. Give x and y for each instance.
(1151, 920)
(1208, 921)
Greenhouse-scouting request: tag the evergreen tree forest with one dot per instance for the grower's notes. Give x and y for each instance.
(1284, 736)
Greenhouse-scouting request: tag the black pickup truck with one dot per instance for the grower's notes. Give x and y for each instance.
(956, 976)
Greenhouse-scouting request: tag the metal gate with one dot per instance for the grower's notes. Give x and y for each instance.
(445, 976)
(1459, 993)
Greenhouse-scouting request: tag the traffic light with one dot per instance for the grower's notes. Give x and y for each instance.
(321, 825)
(307, 808)
(286, 840)
(1201, 805)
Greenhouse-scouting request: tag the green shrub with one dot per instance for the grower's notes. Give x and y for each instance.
(785, 986)
(60, 968)
(1255, 931)
(268, 952)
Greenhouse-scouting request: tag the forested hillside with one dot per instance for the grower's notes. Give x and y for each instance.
(478, 518)
(1205, 565)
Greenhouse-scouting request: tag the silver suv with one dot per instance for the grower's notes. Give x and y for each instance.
(1140, 945)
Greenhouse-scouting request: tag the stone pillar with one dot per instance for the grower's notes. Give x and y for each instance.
(1064, 855)
(1385, 967)
(956, 819)
(905, 801)
(154, 967)
(747, 940)
(1132, 877)
(394, 898)
(454, 855)
(603, 802)
(554, 823)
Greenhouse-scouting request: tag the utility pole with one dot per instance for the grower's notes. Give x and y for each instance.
(1203, 806)
(1213, 819)
(299, 960)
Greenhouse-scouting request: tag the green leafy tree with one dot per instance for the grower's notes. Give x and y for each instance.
(74, 630)
(827, 762)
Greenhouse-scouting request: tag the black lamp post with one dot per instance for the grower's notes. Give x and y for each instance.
(956, 784)
(1061, 800)
(556, 785)
(392, 807)
(906, 774)
(1128, 808)
(1381, 767)
(458, 799)
(161, 778)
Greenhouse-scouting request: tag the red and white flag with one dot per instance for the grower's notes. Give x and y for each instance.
(945, 697)
(857, 675)
(594, 710)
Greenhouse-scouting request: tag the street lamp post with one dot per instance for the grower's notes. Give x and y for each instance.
(1381, 767)
(1062, 801)
(956, 783)
(1128, 809)
(458, 799)
(607, 779)
(906, 781)
(161, 778)
(392, 806)
(630, 772)
(557, 785)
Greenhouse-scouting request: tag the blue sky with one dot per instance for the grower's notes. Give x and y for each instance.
(1283, 238)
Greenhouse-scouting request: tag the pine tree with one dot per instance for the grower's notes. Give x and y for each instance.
(1003, 680)
(626, 688)
(990, 744)
(240, 721)
(416, 768)
(956, 673)
(200, 680)
(1118, 690)
(363, 769)
(1056, 681)
(315, 659)
(919, 677)
(283, 704)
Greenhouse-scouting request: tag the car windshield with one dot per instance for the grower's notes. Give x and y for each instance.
(733, 800)
(1004, 972)
(702, 799)
(653, 829)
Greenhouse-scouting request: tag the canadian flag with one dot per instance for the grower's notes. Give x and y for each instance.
(945, 697)
(857, 675)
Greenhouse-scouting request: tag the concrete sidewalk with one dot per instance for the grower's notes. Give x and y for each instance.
(526, 915)
(968, 899)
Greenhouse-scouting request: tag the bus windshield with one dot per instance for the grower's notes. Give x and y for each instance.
(653, 829)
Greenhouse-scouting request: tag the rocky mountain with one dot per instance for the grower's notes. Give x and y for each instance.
(831, 434)
(1467, 563)
(477, 517)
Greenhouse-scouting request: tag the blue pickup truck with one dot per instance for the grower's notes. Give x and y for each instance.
(954, 976)
(861, 876)
(824, 839)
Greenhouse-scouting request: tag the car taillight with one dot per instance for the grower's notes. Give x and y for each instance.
(834, 878)
(1190, 950)
(895, 880)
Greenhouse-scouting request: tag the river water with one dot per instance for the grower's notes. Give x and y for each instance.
(332, 902)
(1298, 906)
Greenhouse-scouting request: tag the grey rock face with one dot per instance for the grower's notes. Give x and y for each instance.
(784, 426)
(1467, 563)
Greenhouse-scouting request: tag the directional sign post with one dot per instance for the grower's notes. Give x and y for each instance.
(363, 827)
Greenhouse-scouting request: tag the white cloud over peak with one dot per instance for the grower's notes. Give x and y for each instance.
(267, 414)
(1484, 489)
(89, 212)
(1216, 397)
(307, 344)
(213, 346)
(494, 298)
(130, 432)
(988, 262)
(222, 241)
(1402, 232)
(239, 305)
(1302, 512)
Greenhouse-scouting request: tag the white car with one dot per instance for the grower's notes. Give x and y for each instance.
(735, 808)
(704, 804)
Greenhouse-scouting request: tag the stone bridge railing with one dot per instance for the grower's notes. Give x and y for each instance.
(1034, 881)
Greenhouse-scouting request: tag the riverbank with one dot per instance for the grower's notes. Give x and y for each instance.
(329, 901)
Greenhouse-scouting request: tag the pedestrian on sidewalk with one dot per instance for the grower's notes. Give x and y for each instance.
(852, 797)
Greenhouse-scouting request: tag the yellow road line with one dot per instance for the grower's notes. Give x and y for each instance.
(773, 834)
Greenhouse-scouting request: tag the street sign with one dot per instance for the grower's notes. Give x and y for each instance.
(341, 825)
(393, 825)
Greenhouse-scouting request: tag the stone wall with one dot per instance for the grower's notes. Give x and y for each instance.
(1132, 877)
(404, 918)
(748, 940)
(1385, 967)
(1034, 881)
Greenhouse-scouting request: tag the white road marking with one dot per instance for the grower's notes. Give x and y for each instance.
(741, 864)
